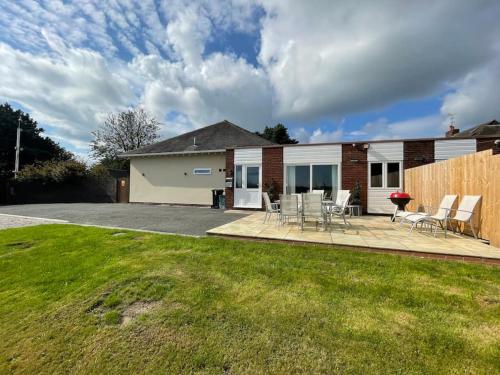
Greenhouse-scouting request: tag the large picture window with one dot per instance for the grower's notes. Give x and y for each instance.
(304, 178)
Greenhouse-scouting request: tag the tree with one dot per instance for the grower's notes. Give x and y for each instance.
(277, 134)
(34, 146)
(122, 132)
(54, 172)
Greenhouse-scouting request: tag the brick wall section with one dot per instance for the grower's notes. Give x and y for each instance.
(483, 144)
(353, 171)
(230, 173)
(272, 169)
(423, 151)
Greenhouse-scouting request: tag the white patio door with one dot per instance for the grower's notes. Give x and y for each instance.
(248, 186)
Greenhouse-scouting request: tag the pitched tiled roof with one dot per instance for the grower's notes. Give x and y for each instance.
(491, 128)
(218, 136)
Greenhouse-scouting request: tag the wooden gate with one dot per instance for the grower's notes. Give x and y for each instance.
(122, 190)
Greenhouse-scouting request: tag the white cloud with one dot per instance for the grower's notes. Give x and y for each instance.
(67, 90)
(317, 135)
(420, 127)
(476, 98)
(71, 81)
(188, 33)
(335, 58)
(220, 87)
(71, 62)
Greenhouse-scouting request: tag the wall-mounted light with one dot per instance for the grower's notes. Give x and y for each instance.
(143, 174)
(497, 143)
(185, 174)
(366, 146)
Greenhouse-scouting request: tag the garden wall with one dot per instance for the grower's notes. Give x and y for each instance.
(89, 189)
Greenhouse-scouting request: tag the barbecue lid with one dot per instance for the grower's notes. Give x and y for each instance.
(399, 195)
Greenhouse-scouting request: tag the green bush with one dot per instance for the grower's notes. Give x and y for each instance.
(54, 172)
(99, 171)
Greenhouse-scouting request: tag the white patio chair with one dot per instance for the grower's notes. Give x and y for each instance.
(322, 192)
(340, 209)
(341, 196)
(465, 212)
(312, 207)
(271, 208)
(299, 199)
(289, 207)
(441, 217)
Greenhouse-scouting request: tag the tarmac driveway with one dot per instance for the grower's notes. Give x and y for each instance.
(163, 218)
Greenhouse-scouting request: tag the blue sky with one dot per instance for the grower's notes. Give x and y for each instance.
(329, 70)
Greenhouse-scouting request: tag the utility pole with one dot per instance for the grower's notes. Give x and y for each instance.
(18, 147)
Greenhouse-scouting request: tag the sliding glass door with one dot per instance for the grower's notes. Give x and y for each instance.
(298, 179)
(325, 177)
(304, 178)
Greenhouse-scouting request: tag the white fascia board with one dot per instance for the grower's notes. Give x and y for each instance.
(172, 153)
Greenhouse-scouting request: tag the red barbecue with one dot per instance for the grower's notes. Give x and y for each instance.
(400, 200)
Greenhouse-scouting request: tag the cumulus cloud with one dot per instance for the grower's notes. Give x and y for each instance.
(72, 80)
(71, 62)
(335, 58)
(475, 99)
(317, 135)
(420, 127)
(222, 86)
(68, 90)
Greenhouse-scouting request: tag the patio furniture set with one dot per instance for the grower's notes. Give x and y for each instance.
(312, 206)
(432, 218)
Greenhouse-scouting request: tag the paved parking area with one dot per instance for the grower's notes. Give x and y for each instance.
(162, 218)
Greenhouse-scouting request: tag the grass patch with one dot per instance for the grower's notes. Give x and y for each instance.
(81, 299)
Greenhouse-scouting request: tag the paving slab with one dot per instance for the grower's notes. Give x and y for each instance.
(374, 232)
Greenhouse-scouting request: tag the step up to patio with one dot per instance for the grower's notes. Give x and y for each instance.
(375, 233)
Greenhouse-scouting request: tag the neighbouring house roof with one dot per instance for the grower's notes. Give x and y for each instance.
(491, 128)
(215, 137)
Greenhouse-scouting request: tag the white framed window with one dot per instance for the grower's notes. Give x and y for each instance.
(302, 178)
(202, 171)
(384, 175)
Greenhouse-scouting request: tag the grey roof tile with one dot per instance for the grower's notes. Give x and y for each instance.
(491, 128)
(217, 136)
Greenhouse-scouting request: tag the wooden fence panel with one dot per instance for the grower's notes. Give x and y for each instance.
(472, 174)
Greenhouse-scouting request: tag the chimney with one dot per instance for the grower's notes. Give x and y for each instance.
(452, 131)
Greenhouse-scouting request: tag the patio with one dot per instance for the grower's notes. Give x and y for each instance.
(376, 233)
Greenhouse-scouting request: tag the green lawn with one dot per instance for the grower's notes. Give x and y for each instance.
(221, 306)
